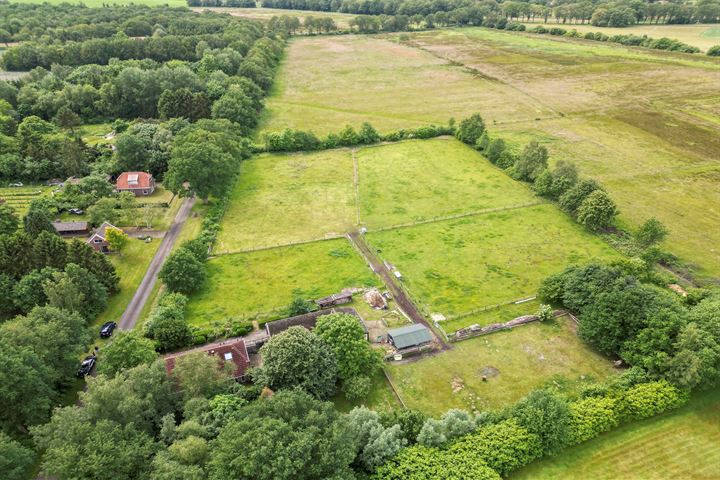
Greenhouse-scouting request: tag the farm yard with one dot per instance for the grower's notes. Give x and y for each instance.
(514, 363)
(680, 444)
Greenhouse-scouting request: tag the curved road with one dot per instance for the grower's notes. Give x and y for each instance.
(142, 294)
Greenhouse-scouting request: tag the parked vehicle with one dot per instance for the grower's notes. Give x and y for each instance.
(86, 366)
(107, 329)
(16, 184)
(76, 211)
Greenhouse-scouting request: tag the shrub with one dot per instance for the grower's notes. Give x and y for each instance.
(596, 211)
(495, 149)
(648, 399)
(471, 129)
(557, 31)
(183, 272)
(546, 415)
(714, 51)
(504, 447)
(423, 463)
(591, 416)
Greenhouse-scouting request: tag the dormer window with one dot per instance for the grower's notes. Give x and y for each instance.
(133, 179)
(228, 356)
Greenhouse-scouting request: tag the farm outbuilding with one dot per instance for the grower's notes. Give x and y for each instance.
(334, 299)
(413, 335)
(70, 229)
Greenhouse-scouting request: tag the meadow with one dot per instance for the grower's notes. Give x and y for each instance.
(699, 35)
(19, 198)
(680, 444)
(424, 179)
(459, 265)
(643, 122)
(514, 363)
(260, 284)
(342, 20)
(281, 199)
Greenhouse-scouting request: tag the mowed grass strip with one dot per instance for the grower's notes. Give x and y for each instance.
(423, 179)
(255, 283)
(456, 266)
(281, 199)
(383, 82)
(514, 362)
(681, 444)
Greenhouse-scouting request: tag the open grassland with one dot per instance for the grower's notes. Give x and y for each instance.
(281, 199)
(459, 265)
(258, 283)
(514, 362)
(381, 397)
(95, 134)
(681, 444)
(131, 265)
(702, 36)
(327, 82)
(646, 123)
(342, 20)
(424, 179)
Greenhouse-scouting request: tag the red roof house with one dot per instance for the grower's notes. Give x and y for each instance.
(234, 351)
(98, 240)
(139, 183)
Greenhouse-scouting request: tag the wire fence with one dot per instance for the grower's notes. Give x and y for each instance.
(281, 245)
(487, 307)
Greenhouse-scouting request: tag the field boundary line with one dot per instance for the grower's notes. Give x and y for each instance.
(356, 181)
(280, 245)
(394, 390)
(488, 307)
(458, 215)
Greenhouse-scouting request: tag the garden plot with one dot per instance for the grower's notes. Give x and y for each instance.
(423, 179)
(513, 362)
(457, 266)
(259, 284)
(282, 199)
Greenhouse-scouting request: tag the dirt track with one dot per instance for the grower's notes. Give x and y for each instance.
(142, 294)
(403, 301)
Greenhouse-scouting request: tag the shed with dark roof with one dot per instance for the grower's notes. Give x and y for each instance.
(410, 336)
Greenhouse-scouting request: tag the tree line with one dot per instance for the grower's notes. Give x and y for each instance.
(600, 13)
(20, 22)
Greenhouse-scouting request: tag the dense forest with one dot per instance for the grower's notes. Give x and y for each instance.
(599, 13)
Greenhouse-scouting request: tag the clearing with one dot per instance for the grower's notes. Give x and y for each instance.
(342, 20)
(680, 444)
(514, 362)
(260, 284)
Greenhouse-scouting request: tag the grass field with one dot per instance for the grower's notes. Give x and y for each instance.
(680, 444)
(380, 398)
(289, 198)
(702, 36)
(19, 198)
(459, 265)
(493, 315)
(643, 122)
(515, 362)
(419, 180)
(265, 14)
(248, 284)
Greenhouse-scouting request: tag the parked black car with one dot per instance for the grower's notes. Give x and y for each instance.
(107, 329)
(86, 366)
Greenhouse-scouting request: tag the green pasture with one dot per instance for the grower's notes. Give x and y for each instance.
(260, 283)
(281, 199)
(19, 198)
(381, 397)
(680, 444)
(424, 179)
(514, 362)
(459, 265)
(342, 20)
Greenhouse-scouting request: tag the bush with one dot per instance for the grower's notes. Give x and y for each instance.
(714, 51)
(557, 31)
(546, 415)
(423, 463)
(504, 447)
(471, 129)
(183, 272)
(648, 399)
(495, 149)
(592, 416)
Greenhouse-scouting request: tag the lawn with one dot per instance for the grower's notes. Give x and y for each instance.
(702, 36)
(263, 282)
(514, 362)
(680, 444)
(456, 266)
(281, 199)
(131, 266)
(94, 134)
(19, 198)
(423, 179)
(381, 397)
